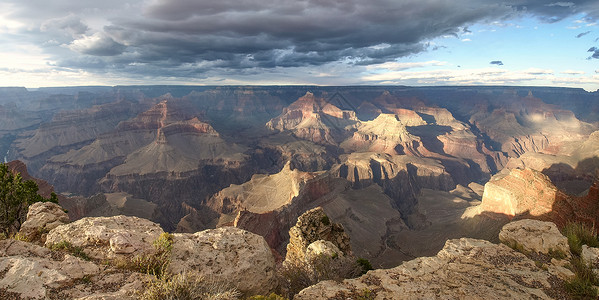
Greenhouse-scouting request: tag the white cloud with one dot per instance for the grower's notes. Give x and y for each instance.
(561, 4)
(7, 24)
(573, 72)
(537, 71)
(398, 66)
(466, 40)
(484, 76)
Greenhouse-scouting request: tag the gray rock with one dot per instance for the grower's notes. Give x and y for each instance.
(226, 254)
(108, 237)
(31, 275)
(463, 269)
(535, 236)
(41, 218)
(590, 255)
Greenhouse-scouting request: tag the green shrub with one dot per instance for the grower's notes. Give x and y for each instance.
(272, 296)
(516, 246)
(366, 294)
(20, 237)
(187, 286)
(15, 197)
(68, 247)
(154, 264)
(365, 264)
(584, 271)
(582, 285)
(557, 254)
(164, 243)
(580, 289)
(580, 234)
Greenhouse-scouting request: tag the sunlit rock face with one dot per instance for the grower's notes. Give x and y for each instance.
(520, 191)
(315, 119)
(529, 193)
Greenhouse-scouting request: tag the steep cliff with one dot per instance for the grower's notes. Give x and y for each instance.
(315, 119)
(519, 193)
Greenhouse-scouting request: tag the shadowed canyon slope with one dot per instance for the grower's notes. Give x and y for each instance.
(399, 167)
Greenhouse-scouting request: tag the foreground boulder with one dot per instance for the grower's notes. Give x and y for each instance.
(464, 268)
(534, 236)
(229, 255)
(108, 237)
(312, 226)
(41, 218)
(31, 272)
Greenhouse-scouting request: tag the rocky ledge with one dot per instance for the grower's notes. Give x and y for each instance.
(470, 269)
(91, 259)
(106, 258)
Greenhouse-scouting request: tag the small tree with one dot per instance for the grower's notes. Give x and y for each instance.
(15, 197)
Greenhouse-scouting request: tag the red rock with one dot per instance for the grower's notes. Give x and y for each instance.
(528, 193)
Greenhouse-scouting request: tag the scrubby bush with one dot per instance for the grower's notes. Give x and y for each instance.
(582, 286)
(15, 197)
(365, 264)
(272, 296)
(187, 286)
(580, 234)
(154, 264)
(69, 248)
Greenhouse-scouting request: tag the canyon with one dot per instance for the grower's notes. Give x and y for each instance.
(403, 169)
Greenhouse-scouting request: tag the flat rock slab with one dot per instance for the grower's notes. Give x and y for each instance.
(108, 237)
(535, 236)
(464, 269)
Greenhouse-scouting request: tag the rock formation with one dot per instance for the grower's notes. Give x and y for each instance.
(312, 226)
(108, 237)
(401, 177)
(469, 268)
(528, 193)
(70, 130)
(385, 134)
(534, 235)
(227, 254)
(230, 256)
(32, 272)
(464, 267)
(315, 119)
(41, 218)
(519, 192)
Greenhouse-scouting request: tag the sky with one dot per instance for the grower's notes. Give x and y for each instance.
(280, 42)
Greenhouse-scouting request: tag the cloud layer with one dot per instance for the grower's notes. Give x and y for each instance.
(190, 38)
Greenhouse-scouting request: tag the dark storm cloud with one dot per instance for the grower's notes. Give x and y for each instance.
(189, 36)
(582, 34)
(497, 62)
